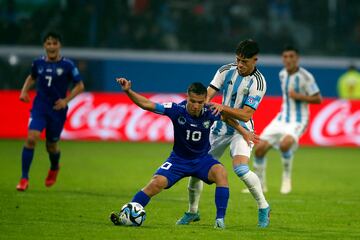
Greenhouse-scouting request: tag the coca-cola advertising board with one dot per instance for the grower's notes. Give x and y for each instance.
(112, 116)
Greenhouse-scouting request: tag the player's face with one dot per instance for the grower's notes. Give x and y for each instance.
(195, 103)
(290, 60)
(52, 48)
(245, 66)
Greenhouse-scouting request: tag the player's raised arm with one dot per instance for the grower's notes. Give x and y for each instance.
(24, 95)
(139, 100)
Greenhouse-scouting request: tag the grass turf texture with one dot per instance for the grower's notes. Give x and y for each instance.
(98, 177)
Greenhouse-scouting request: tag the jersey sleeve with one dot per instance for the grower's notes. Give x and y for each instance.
(168, 109)
(311, 88)
(256, 92)
(34, 71)
(218, 80)
(74, 74)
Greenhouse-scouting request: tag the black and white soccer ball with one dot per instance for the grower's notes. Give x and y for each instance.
(132, 214)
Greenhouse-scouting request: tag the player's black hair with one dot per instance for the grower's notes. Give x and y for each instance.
(247, 48)
(52, 34)
(198, 88)
(290, 48)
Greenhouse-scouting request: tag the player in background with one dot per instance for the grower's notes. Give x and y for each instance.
(299, 89)
(192, 121)
(52, 75)
(243, 87)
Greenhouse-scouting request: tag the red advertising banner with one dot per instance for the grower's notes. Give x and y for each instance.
(112, 116)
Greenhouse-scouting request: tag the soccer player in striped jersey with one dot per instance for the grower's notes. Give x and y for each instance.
(299, 89)
(243, 87)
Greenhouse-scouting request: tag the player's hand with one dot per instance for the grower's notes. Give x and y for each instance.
(124, 83)
(216, 108)
(60, 104)
(24, 96)
(251, 138)
(294, 95)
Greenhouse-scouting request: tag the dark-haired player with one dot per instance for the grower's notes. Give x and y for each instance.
(243, 87)
(52, 74)
(192, 121)
(299, 90)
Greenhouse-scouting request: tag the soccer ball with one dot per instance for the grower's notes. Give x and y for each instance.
(132, 214)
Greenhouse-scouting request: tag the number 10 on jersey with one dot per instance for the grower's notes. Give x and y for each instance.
(193, 136)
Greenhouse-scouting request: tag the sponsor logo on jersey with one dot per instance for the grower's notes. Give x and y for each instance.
(49, 70)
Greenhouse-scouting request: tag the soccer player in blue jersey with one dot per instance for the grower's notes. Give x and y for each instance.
(52, 75)
(243, 86)
(192, 121)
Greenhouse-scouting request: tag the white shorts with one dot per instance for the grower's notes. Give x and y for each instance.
(238, 146)
(275, 132)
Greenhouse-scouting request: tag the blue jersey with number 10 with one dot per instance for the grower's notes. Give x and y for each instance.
(53, 78)
(191, 134)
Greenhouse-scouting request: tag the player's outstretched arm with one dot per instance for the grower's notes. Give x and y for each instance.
(138, 99)
(244, 114)
(24, 95)
(249, 137)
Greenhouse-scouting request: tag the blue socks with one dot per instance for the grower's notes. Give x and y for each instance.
(142, 198)
(54, 160)
(221, 201)
(26, 158)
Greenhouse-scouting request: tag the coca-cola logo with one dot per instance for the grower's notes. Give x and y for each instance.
(89, 117)
(336, 124)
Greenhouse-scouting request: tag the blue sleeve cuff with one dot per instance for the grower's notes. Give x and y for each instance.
(159, 108)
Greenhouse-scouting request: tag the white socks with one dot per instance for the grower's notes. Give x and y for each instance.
(259, 168)
(195, 188)
(252, 181)
(287, 161)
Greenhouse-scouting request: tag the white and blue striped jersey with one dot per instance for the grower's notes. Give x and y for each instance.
(238, 91)
(302, 82)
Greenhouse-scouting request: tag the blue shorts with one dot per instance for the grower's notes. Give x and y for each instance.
(43, 117)
(176, 168)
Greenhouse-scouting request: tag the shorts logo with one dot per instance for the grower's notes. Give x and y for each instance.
(59, 71)
(181, 120)
(206, 124)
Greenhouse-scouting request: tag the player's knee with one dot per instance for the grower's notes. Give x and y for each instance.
(52, 147)
(30, 142)
(260, 150)
(285, 146)
(221, 178)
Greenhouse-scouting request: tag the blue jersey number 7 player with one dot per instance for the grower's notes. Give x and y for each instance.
(192, 121)
(52, 75)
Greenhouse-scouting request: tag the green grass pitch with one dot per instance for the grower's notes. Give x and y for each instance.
(98, 177)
